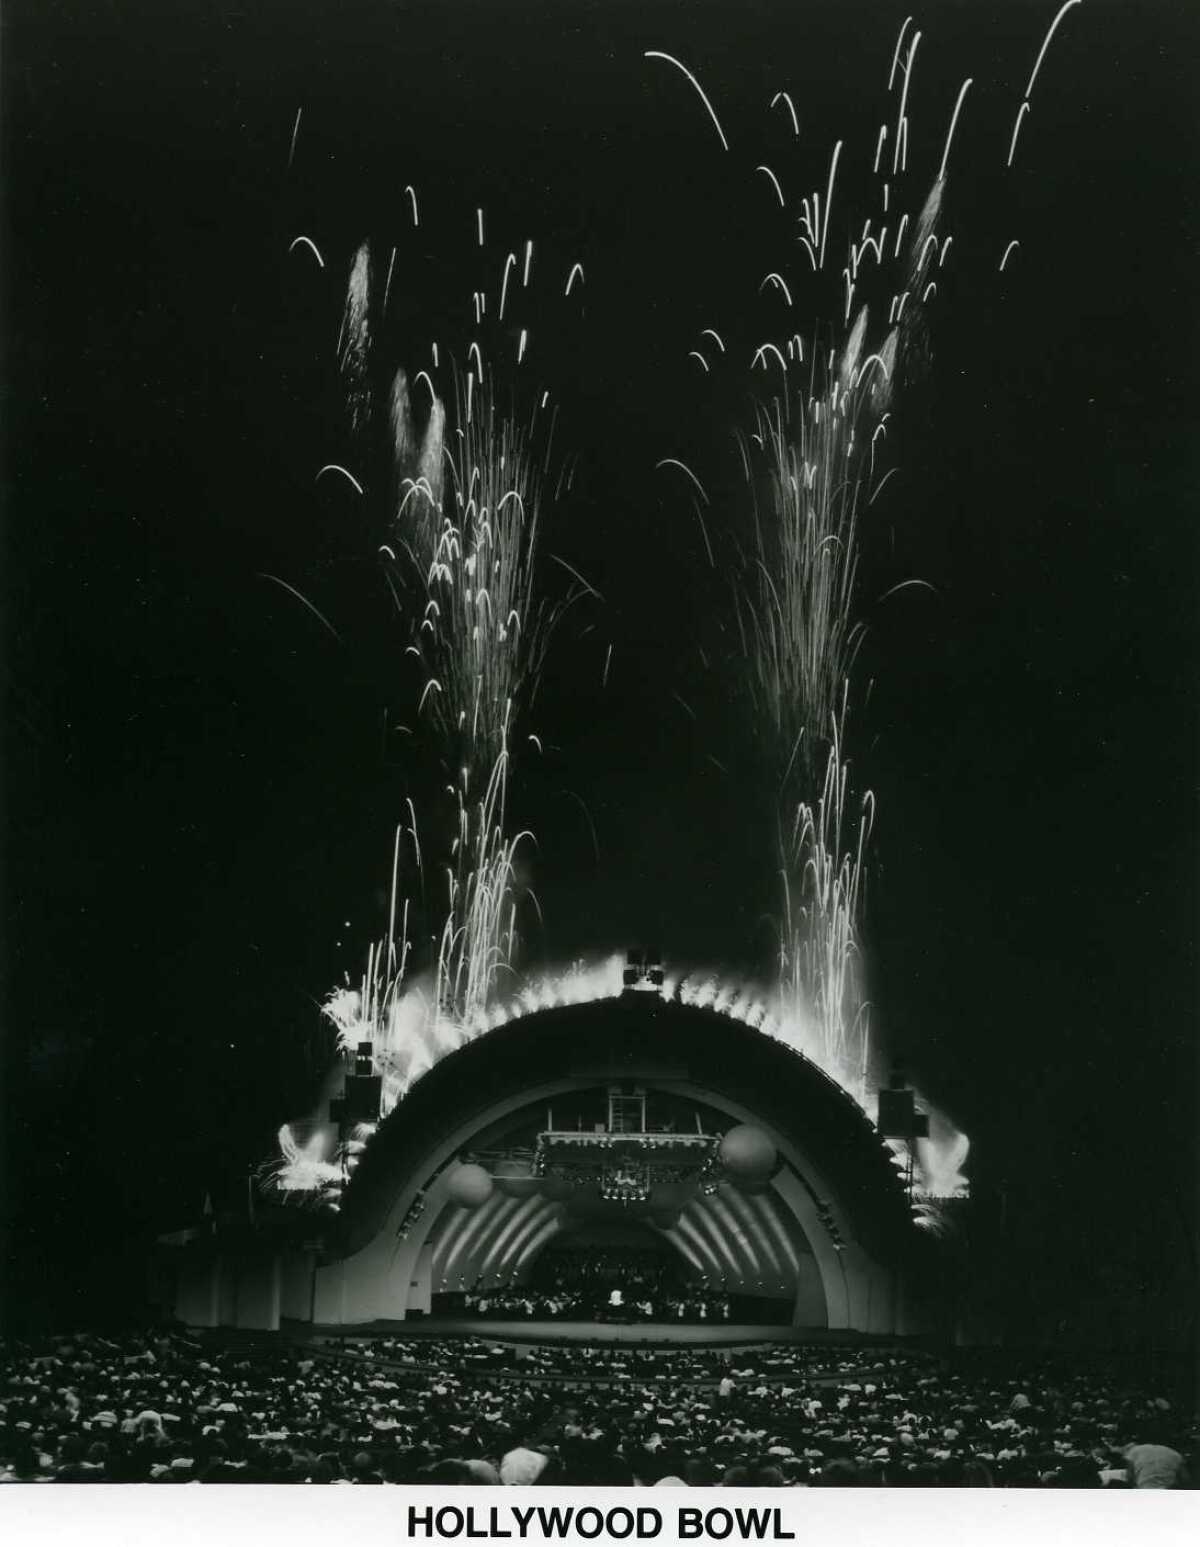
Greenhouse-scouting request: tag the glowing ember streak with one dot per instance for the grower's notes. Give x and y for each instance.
(509, 263)
(908, 65)
(694, 354)
(715, 336)
(800, 635)
(774, 184)
(305, 241)
(837, 150)
(585, 588)
(878, 152)
(655, 54)
(479, 225)
(686, 471)
(1046, 44)
(777, 281)
(1012, 144)
(336, 467)
(577, 269)
(950, 132)
(1008, 251)
(355, 340)
(320, 616)
(412, 195)
(761, 354)
(782, 96)
(896, 56)
(704, 533)
(295, 136)
(528, 261)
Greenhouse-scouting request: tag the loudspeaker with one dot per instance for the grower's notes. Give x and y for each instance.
(896, 1114)
(359, 1101)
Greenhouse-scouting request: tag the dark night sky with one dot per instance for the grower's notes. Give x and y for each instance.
(198, 789)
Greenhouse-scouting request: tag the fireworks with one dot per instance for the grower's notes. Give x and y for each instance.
(820, 959)
(355, 341)
(468, 522)
(810, 461)
(655, 54)
(467, 482)
(304, 1169)
(468, 485)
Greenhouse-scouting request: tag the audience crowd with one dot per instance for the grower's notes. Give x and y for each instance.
(168, 1407)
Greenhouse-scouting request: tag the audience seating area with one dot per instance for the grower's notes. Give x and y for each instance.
(170, 1407)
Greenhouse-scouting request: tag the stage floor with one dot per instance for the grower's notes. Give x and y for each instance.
(635, 1334)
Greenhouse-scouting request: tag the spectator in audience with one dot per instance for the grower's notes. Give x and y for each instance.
(1154, 1465)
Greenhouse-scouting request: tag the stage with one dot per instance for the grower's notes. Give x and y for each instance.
(633, 1334)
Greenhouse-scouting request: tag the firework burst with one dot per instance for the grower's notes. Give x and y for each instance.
(467, 522)
(467, 485)
(354, 342)
(810, 463)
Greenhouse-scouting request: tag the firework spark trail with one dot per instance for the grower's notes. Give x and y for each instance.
(822, 957)
(470, 489)
(307, 241)
(808, 455)
(782, 96)
(469, 483)
(355, 341)
(300, 597)
(1053, 28)
(806, 459)
(774, 184)
(655, 54)
(295, 137)
(478, 944)
(336, 467)
(484, 632)
(1033, 75)
(1012, 144)
(797, 617)
(966, 85)
(409, 1023)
